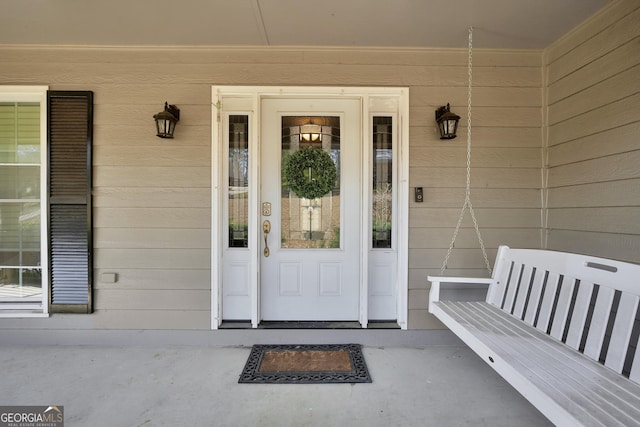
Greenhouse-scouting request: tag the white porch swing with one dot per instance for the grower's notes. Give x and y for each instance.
(467, 198)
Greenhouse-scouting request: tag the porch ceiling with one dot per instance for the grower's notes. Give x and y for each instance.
(357, 23)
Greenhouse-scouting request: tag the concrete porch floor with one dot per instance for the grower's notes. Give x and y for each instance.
(198, 386)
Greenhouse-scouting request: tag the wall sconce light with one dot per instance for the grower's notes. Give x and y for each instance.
(166, 121)
(447, 122)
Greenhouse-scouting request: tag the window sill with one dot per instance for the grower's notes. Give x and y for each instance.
(17, 313)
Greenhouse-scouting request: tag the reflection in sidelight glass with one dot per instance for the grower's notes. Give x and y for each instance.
(238, 194)
(310, 222)
(382, 182)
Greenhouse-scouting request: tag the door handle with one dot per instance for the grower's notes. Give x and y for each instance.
(266, 228)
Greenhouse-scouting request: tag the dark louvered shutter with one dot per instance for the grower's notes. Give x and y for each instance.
(70, 121)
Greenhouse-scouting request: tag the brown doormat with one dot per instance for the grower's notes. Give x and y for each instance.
(306, 364)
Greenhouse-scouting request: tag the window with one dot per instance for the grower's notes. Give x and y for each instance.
(23, 208)
(312, 222)
(382, 201)
(238, 181)
(45, 201)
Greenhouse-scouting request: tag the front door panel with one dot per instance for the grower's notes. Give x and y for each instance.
(310, 209)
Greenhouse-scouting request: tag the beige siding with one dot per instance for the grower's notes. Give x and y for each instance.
(593, 146)
(152, 202)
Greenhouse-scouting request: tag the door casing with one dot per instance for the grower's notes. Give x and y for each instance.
(247, 100)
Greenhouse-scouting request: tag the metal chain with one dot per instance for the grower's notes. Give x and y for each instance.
(467, 198)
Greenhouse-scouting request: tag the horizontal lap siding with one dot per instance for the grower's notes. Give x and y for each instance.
(152, 203)
(593, 146)
(506, 180)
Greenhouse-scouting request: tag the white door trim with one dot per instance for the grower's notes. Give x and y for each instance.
(246, 100)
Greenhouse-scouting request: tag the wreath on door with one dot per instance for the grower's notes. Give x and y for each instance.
(310, 173)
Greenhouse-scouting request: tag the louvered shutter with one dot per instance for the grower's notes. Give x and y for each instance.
(70, 134)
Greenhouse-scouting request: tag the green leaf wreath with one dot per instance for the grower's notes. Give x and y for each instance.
(310, 173)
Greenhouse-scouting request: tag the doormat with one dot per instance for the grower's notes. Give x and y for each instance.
(305, 364)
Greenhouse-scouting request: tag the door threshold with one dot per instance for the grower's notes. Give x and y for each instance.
(310, 325)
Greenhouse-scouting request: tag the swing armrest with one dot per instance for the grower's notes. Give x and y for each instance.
(436, 281)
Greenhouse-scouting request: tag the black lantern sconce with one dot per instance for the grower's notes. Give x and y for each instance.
(166, 121)
(447, 122)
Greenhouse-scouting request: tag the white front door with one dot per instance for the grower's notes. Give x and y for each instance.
(310, 258)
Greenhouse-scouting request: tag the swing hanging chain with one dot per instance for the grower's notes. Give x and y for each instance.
(468, 196)
(467, 199)
(469, 91)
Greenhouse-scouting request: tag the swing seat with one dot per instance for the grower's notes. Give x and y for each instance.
(561, 328)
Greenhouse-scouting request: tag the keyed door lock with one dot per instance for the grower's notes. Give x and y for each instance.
(266, 209)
